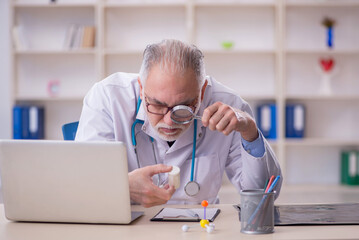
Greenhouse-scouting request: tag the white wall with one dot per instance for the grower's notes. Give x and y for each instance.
(5, 71)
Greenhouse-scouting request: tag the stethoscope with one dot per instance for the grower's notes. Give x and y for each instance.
(192, 187)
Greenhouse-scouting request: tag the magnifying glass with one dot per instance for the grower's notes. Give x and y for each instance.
(182, 114)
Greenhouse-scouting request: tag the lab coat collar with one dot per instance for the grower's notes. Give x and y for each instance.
(141, 115)
(147, 127)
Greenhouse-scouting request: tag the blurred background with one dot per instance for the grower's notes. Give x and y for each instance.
(295, 61)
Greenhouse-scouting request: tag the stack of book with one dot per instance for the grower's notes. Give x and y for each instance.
(78, 37)
(28, 122)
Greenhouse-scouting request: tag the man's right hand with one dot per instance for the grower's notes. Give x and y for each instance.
(142, 189)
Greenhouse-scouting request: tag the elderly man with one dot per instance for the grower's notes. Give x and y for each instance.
(138, 109)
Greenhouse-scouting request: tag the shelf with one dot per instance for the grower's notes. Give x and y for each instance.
(230, 24)
(320, 142)
(323, 97)
(308, 33)
(48, 98)
(238, 51)
(134, 28)
(144, 4)
(56, 52)
(235, 4)
(322, 3)
(54, 5)
(324, 51)
(274, 59)
(114, 52)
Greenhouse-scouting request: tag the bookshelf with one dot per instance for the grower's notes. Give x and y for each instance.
(330, 118)
(276, 45)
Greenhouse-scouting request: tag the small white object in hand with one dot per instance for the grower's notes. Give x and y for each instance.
(174, 177)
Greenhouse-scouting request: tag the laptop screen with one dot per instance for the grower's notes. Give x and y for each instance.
(65, 181)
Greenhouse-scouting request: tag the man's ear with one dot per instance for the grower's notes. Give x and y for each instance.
(203, 89)
(139, 83)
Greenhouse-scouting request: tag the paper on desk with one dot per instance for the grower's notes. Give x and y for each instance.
(185, 214)
(315, 214)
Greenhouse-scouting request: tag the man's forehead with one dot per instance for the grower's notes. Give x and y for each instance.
(170, 86)
(162, 79)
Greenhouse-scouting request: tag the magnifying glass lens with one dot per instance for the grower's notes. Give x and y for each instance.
(182, 114)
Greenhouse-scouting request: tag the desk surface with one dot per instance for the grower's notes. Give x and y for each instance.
(227, 227)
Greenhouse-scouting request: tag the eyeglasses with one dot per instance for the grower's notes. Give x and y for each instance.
(162, 109)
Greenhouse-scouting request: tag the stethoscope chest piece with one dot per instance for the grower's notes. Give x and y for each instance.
(192, 188)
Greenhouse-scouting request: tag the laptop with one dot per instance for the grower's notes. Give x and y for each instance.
(65, 181)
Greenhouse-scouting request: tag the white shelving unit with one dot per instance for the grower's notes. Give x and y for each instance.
(330, 123)
(274, 59)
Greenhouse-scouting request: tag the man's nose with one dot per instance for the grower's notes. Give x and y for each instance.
(167, 119)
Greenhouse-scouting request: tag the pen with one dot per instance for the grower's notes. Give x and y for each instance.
(256, 211)
(274, 184)
(269, 183)
(265, 185)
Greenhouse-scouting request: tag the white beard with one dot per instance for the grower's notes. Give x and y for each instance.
(170, 136)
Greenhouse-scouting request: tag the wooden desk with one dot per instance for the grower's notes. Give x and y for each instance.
(227, 227)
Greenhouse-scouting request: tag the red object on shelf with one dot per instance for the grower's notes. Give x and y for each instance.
(53, 88)
(327, 64)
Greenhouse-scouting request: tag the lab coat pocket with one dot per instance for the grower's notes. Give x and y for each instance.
(207, 173)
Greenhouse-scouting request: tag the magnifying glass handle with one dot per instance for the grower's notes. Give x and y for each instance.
(197, 117)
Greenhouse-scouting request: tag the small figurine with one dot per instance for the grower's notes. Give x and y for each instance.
(227, 45)
(327, 66)
(329, 24)
(53, 88)
(204, 223)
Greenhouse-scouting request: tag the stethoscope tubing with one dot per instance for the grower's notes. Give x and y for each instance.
(134, 143)
(194, 148)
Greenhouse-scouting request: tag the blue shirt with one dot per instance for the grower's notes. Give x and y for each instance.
(256, 147)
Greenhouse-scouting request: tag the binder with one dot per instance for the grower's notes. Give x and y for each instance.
(25, 123)
(36, 122)
(350, 167)
(266, 120)
(17, 122)
(28, 122)
(295, 120)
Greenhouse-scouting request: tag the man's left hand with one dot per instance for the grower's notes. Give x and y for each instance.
(225, 119)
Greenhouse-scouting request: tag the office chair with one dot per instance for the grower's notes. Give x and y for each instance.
(69, 130)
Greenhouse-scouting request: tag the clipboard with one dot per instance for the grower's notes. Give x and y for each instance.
(185, 214)
(315, 214)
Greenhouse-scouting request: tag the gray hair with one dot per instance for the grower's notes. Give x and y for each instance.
(173, 56)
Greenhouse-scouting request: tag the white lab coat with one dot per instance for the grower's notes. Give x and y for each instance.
(109, 111)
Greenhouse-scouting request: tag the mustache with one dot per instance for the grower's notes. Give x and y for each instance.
(175, 126)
